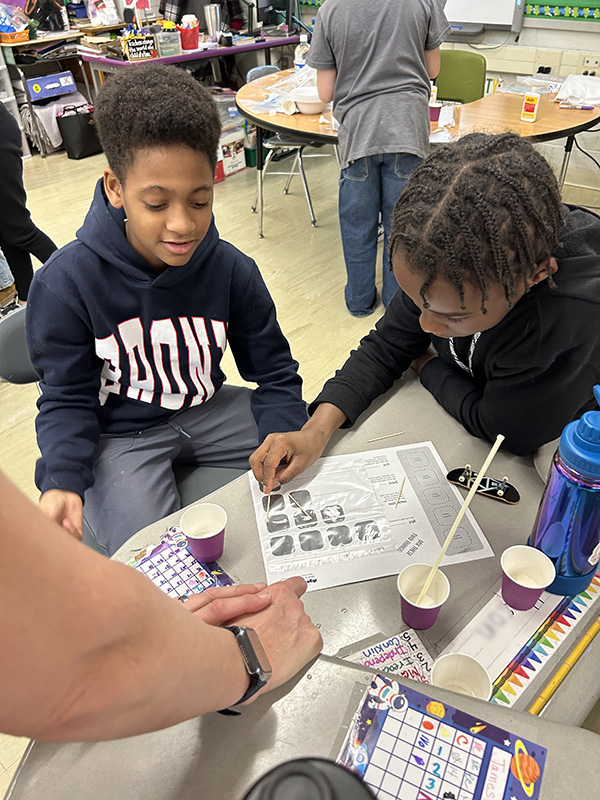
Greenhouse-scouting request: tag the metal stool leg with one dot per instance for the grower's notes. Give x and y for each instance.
(293, 172)
(260, 178)
(336, 151)
(306, 192)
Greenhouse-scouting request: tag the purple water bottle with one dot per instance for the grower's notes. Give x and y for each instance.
(567, 527)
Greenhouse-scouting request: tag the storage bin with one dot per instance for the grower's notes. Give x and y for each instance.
(169, 43)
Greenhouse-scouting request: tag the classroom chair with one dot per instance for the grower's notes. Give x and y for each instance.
(461, 77)
(277, 145)
(193, 482)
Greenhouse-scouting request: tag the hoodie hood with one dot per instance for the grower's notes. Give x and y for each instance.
(103, 232)
(578, 259)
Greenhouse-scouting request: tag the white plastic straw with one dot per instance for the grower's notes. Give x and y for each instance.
(461, 513)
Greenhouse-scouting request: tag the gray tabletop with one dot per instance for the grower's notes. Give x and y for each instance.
(194, 759)
(220, 757)
(355, 612)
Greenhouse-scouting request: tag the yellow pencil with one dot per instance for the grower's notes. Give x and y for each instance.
(562, 672)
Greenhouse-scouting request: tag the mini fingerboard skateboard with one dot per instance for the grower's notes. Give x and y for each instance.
(490, 487)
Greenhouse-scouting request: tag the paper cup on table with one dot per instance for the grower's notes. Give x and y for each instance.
(410, 583)
(204, 526)
(434, 111)
(526, 572)
(461, 673)
(288, 107)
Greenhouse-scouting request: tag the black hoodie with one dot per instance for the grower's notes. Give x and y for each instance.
(120, 348)
(526, 377)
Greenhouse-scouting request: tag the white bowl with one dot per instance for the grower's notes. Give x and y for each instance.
(307, 99)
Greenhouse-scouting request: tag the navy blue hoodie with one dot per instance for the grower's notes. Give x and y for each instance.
(120, 348)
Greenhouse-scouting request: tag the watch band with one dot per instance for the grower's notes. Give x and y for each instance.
(255, 659)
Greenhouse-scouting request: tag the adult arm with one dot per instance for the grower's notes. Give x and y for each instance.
(531, 378)
(95, 651)
(326, 84)
(263, 356)
(61, 347)
(432, 62)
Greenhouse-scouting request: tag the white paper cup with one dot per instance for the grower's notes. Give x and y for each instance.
(410, 583)
(526, 572)
(461, 673)
(288, 107)
(204, 525)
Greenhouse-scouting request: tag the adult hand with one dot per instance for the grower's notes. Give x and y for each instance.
(420, 362)
(220, 604)
(66, 508)
(285, 630)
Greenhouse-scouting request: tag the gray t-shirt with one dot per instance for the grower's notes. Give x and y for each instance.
(382, 87)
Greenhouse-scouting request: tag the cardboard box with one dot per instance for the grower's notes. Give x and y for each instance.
(219, 171)
(232, 145)
(54, 85)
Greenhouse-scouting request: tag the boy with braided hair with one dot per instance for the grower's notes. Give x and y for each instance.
(497, 310)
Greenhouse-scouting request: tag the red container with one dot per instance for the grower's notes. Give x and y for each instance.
(190, 37)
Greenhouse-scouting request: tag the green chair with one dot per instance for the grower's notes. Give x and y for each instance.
(461, 77)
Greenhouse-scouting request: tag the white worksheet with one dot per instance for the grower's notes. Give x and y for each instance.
(342, 520)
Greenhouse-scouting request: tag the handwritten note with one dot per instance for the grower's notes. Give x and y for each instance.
(404, 655)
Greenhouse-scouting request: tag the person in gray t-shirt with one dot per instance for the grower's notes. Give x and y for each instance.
(375, 59)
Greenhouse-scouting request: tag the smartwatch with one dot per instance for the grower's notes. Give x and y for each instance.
(255, 659)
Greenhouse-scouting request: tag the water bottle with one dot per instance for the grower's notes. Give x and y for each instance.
(567, 527)
(309, 779)
(301, 52)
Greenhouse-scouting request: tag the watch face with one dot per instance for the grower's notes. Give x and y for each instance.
(255, 655)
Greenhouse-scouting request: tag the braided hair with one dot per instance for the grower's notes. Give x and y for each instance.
(485, 209)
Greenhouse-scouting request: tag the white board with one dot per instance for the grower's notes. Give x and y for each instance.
(497, 13)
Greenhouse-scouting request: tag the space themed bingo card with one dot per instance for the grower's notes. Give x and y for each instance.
(404, 744)
(356, 517)
(172, 567)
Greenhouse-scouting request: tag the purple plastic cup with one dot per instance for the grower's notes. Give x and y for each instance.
(526, 572)
(204, 525)
(410, 583)
(434, 111)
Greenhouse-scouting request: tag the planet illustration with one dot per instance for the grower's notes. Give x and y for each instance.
(436, 708)
(524, 767)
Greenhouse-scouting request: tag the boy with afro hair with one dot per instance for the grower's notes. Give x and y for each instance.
(127, 325)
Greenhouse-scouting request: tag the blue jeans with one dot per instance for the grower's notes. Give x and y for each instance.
(6, 276)
(368, 186)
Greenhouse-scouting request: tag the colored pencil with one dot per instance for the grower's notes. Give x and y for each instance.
(562, 672)
(268, 505)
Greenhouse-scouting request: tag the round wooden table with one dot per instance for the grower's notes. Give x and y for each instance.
(495, 113)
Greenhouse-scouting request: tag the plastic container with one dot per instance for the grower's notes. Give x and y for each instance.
(301, 52)
(189, 31)
(567, 527)
(531, 102)
(169, 43)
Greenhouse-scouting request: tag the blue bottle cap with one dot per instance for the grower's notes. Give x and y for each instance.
(579, 445)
